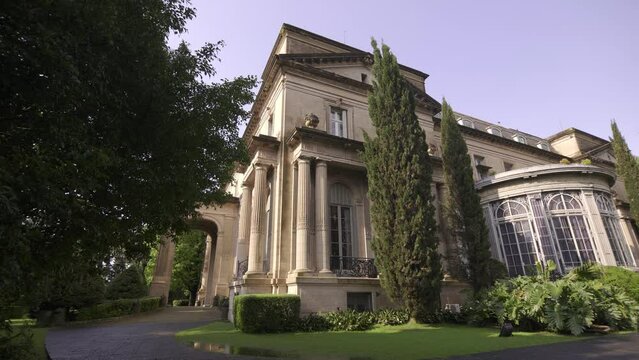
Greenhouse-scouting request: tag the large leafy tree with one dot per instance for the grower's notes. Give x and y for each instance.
(399, 180)
(462, 204)
(107, 136)
(627, 168)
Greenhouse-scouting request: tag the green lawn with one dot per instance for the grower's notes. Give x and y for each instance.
(39, 335)
(410, 341)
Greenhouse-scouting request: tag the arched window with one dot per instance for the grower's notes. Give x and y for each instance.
(608, 212)
(341, 221)
(465, 122)
(515, 232)
(571, 229)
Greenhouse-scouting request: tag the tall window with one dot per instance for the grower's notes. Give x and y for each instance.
(341, 227)
(338, 121)
(518, 244)
(571, 230)
(620, 250)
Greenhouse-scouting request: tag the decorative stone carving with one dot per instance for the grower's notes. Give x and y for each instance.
(311, 120)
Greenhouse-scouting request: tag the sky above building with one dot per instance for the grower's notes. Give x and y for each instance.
(538, 66)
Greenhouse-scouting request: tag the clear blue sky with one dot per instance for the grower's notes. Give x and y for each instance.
(537, 66)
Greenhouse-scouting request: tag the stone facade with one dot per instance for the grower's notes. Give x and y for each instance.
(301, 224)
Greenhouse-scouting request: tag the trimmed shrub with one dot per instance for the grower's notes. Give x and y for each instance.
(129, 284)
(181, 302)
(117, 308)
(266, 313)
(149, 303)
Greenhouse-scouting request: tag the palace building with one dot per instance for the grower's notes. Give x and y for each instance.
(300, 223)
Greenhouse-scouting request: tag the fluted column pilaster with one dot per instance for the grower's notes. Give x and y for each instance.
(258, 207)
(242, 250)
(303, 196)
(321, 218)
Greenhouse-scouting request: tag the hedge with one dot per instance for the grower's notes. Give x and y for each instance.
(181, 302)
(266, 313)
(119, 307)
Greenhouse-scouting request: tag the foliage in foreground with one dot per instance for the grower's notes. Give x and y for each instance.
(187, 264)
(117, 308)
(399, 180)
(567, 305)
(350, 320)
(129, 284)
(462, 207)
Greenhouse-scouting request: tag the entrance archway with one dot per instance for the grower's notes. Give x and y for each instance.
(161, 283)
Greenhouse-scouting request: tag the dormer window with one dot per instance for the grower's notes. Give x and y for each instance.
(520, 138)
(543, 146)
(338, 121)
(465, 122)
(494, 131)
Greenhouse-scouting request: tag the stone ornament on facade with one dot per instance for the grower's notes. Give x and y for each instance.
(311, 120)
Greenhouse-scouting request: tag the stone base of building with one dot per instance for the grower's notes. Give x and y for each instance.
(327, 292)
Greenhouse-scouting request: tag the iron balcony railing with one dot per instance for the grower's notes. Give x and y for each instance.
(346, 266)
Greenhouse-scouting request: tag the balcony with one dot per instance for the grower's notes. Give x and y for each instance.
(240, 269)
(353, 267)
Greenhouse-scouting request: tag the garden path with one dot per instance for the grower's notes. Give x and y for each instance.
(145, 336)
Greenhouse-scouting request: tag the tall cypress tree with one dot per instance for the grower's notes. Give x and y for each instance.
(399, 180)
(462, 207)
(628, 168)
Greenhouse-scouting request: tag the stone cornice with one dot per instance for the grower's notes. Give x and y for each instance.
(544, 170)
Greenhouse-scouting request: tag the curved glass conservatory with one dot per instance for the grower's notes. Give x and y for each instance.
(563, 213)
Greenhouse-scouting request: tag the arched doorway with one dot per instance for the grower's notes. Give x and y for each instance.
(161, 283)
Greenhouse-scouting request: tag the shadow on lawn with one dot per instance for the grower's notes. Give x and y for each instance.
(249, 351)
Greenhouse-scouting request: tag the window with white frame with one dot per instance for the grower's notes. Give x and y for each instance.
(520, 138)
(608, 212)
(543, 146)
(571, 229)
(494, 131)
(516, 235)
(338, 121)
(465, 122)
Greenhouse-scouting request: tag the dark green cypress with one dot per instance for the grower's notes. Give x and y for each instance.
(399, 181)
(627, 168)
(464, 214)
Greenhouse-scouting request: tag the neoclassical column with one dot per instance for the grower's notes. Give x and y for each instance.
(321, 218)
(242, 250)
(205, 268)
(303, 196)
(257, 220)
(163, 269)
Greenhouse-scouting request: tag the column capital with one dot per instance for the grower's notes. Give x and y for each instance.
(303, 160)
(320, 162)
(260, 166)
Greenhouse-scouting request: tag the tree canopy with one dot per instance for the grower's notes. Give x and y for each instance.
(107, 136)
(464, 215)
(627, 168)
(399, 182)
(187, 264)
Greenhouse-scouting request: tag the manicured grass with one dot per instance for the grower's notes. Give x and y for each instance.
(410, 341)
(39, 334)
